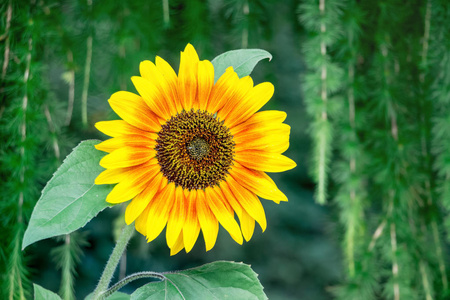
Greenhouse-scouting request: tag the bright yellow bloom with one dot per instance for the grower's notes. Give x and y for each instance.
(190, 153)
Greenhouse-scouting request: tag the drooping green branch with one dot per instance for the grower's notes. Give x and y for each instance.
(67, 256)
(348, 171)
(6, 37)
(166, 13)
(17, 273)
(438, 93)
(52, 129)
(324, 77)
(87, 73)
(71, 81)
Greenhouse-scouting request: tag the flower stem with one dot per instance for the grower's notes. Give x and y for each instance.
(113, 261)
(131, 278)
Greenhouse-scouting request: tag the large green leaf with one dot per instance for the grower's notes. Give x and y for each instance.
(114, 296)
(243, 61)
(217, 280)
(118, 296)
(70, 199)
(42, 294)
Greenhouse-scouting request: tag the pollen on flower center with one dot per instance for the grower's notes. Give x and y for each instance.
(198, 148)
(194, 150)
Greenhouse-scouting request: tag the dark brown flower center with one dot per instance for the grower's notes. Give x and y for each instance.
(195, 150)
(198, 148)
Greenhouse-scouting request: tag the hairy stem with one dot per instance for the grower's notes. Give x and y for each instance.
(131, 278)
(113, 261)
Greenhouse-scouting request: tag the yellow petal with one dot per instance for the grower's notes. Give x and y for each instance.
(214, 198)
(261, 120)
(140, 202)
(256, 182)
(159, 211)
(249, 202)
(150, 72)
(229, 197)
(274, 139)
(128, 140)
(117, 128)
(172, 81)
(208, 222)
(151, 96)
(191, 227)
(111, 176)
(177, 217)
(141, 221)
(222, 90)
(127, 157)
(256, 99)
(247, 225)
(133, 109)
(178, 245)
(264, 161)
(205, 84)
(239, 95)
(187, 77)
(133, 184)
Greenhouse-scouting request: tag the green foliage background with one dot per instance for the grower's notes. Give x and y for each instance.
(367, 89)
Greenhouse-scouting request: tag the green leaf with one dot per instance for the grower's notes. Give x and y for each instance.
(119, 296)
(114, 296)
(243, 61)
(217, 280)
(42, 294)
(70, 199)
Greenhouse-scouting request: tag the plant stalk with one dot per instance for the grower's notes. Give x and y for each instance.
(113, 261)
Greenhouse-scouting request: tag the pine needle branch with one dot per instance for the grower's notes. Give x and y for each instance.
(5, 36)
(87, 72)
(166, 14)
(17, 273)
(395, 268)
(51, 127)
(67, 256)
(71, 81)
(323, 77)
(425, 281)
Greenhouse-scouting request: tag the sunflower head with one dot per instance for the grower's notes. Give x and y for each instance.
(190, 153)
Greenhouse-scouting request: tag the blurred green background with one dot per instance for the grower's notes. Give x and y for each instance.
(390, 57)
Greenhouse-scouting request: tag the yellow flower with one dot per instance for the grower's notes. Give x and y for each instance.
(190, 153)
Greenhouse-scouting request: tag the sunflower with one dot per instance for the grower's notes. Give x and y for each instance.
(190, 153)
